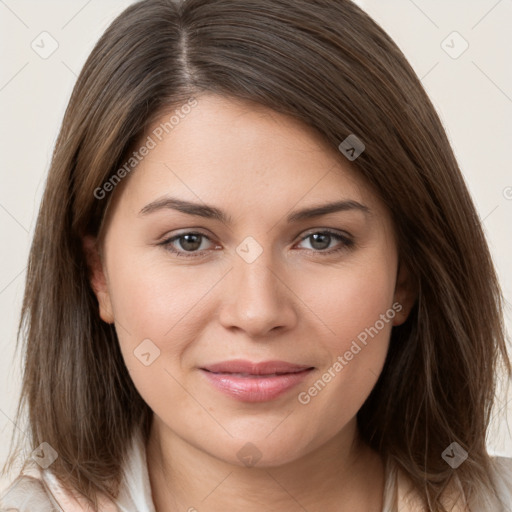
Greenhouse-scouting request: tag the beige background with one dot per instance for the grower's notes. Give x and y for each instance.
(472, 92)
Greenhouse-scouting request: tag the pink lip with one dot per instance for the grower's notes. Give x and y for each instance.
(255, 382)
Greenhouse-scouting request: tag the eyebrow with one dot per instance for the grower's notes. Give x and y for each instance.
(211, 212)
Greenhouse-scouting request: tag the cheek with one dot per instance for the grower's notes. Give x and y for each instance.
(357, 302)
(356, 307)
(158, 313)
(151, 305)
(351, 298)
(150, 298)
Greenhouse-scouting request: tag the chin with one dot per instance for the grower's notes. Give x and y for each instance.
(259, 452)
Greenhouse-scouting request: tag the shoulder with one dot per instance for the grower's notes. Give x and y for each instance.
(502, 478)
(502, 463)
(38, 490)
(27, 494)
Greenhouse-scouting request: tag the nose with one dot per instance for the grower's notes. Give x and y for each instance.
(257, 300)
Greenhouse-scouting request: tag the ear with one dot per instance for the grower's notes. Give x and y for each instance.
(97, 277)
(405, 294)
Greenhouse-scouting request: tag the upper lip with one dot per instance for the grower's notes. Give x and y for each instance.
(253, 368)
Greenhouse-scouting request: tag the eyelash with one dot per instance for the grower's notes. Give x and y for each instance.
(347, 243)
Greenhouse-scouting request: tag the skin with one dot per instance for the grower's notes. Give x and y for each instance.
(295, 303)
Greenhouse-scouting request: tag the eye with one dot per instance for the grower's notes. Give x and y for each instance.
(187, 243)
(320, 241)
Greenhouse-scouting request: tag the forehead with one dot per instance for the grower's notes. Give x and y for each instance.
(232, 152)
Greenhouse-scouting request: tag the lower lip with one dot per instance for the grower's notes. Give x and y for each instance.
(255, 389)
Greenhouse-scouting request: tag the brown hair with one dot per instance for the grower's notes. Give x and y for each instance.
(330, 65)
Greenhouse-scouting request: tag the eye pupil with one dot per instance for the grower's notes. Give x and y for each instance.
(322, 237)
(186, 246)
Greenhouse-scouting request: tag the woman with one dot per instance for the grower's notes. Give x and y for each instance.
(258, 280)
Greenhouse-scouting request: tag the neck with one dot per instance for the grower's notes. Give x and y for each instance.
(342, 475)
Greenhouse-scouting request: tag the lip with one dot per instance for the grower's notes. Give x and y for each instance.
(255, 382)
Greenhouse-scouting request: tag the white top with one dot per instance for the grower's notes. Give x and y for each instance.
(38, 490)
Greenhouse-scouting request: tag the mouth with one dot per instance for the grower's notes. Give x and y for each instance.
(249, 368)
(255, 382)
(252, 375)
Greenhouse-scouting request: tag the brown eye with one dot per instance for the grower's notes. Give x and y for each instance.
(190, 242)
(185, 245)
(321, 240)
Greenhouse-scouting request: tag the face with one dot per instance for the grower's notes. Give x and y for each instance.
(192, 290)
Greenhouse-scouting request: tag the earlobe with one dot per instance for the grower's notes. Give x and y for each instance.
(405, 294)
(97, 278)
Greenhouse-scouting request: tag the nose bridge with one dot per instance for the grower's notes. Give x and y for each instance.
(258, 301)
(258, 275)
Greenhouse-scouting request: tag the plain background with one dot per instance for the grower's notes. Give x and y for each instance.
(472, 93)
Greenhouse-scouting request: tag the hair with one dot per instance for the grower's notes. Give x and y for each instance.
(328, 64)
